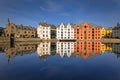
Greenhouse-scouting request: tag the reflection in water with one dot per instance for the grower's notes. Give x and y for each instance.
(19, 49)
(65, 48)
(45, 49)
(87, 48)
(116, 49)
(69, 49)
(62, 59)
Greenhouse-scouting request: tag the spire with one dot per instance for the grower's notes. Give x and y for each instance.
(44, 22)
(8, 21)
(118, 24)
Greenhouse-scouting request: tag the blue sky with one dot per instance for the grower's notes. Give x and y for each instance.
(29, 12)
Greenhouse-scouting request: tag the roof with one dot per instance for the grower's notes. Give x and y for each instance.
(25, 27)
(47, 25)
(65, 25)
(81, 24)
(90, 24)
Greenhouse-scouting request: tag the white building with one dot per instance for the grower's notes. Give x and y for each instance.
(44, 31)
(44, 49)
(65, 32)
(65, 48)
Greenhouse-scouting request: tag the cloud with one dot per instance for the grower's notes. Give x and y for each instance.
(51, 5)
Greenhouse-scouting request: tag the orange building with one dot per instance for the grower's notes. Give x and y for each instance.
(87, 31)
(87, 48)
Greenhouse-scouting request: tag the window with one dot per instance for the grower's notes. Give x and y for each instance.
(7, 35)
(25, 32)
(12, 27)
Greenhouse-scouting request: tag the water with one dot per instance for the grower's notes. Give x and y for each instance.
(60, 61)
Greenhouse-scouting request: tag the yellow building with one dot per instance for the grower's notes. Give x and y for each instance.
(109, 33)
(106, 33)
(103, 32)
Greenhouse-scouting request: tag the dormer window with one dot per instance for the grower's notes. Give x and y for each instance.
(12, 27)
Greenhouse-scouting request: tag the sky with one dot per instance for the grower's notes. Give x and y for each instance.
(105, 13)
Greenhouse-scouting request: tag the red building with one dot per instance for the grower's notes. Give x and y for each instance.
(87, 31)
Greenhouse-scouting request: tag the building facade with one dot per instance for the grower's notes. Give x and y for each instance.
(44, 31)
(1, 32)
(103, 32)
(116, 31)
(19, 31)
(87, 31)
(65, 32)
(109, 33)
(65, 48)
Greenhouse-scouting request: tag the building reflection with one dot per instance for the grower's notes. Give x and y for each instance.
(81, 49)
(65, 48)
(106, 47)
(46, 49)
(116, 49)
(19, 50)
(85, 49)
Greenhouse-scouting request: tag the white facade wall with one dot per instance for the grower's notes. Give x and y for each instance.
(65, 48)
(44, 32)
(65, 32)
(44, 48)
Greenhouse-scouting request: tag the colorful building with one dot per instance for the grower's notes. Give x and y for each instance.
(19, 31)
(106, 32)
(87, 31)
(44, 30)
(103, 32)
(109, 33)
(65, 32)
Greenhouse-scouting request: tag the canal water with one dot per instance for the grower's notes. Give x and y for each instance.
(60, 61)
